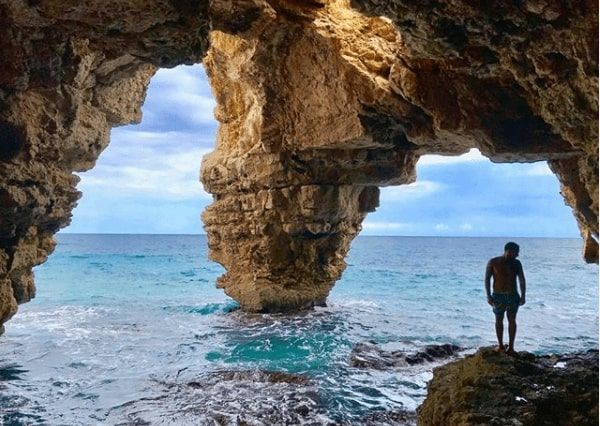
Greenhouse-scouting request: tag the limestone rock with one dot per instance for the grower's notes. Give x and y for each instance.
(491, 388)
(319, 103)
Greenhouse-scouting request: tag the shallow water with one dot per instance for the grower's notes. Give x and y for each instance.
(130, 329)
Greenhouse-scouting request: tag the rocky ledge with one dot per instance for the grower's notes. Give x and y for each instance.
(491, 388)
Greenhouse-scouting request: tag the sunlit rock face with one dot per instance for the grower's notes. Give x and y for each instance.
(319, 103)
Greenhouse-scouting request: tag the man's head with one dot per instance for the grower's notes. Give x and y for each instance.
(511, 250)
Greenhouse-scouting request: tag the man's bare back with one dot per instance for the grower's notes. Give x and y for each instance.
(505, 272)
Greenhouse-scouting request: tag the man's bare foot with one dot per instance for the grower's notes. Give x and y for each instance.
(511, 351)
(501, 348)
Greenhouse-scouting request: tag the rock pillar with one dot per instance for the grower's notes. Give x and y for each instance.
(301, 148)
(284, 248)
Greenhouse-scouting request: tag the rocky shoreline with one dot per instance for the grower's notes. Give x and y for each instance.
(483, 388)
(492, 388)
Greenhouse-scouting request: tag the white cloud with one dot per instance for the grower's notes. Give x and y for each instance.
(538, 169)
(161, 165)
(199, 109)
(184, 91)
(183, 78)
(381, 226)
(168, 175)
(411, 191)
(466, 227)
(130, 146)
(470, 157)
(442, 227)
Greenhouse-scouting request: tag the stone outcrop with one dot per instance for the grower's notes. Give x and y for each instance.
(491, 388)
(319, 104)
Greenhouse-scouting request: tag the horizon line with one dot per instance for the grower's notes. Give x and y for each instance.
(359, 235)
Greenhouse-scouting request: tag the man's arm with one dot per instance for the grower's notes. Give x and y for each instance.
(487, 282)
(522, 285)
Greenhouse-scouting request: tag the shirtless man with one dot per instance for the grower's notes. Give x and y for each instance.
(505, 269)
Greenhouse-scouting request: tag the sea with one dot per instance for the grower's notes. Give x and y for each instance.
(130, 330)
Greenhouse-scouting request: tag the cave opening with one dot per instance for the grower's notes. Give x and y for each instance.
(469, 196)
(146, 180)
(319, 104)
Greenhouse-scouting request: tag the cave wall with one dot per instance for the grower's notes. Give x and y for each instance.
(71, 70)
(319, 104)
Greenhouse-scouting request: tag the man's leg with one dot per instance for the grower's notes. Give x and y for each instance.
(512, 330)
(500, 330)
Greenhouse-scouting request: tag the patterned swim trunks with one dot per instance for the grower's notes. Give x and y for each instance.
(505, 303)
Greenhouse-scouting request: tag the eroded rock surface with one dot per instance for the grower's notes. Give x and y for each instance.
(491, 388)
(319, 104)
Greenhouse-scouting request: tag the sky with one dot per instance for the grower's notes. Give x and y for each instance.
(147, 180)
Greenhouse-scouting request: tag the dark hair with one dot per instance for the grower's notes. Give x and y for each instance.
(511, 246)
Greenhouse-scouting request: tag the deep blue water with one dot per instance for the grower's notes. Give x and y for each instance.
(127, 329)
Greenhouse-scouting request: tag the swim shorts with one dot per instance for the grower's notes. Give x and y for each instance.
(505, 303)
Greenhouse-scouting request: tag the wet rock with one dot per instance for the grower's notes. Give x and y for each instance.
(491, 388)
(262, 376)
(369, 355)
(388, 418)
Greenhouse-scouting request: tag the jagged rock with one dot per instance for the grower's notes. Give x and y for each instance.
(369, 355)
(387, 418)
(491, 388)
(256, 376)
(319, 103)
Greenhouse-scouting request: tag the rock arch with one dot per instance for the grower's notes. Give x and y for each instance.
(319, 103)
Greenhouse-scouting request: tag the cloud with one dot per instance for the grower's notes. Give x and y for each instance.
(181, 98)
(473, 156)
(131, 145)
(441, 227)
(172, 176)
(384, 226)
(188, 78)
(538, 169)
(418, 189)
(199, 109)
(466, 227)
(160, 165)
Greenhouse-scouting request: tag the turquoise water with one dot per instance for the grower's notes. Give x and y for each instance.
(129, 329)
